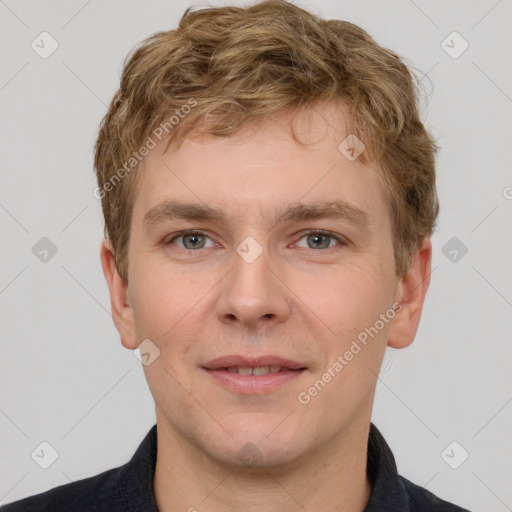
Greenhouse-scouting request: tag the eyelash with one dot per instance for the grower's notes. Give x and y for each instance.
(341, 240)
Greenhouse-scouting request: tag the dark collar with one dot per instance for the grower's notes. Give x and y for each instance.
(390, 491)
(129, 488)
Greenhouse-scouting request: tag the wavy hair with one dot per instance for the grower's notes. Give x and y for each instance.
(245, 65)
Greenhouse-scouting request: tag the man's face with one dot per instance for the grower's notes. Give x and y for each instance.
(259, 283)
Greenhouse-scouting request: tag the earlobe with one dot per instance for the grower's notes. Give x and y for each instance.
(122, 312)
(411, 292)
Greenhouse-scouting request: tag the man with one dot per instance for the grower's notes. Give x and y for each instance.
(269, 196)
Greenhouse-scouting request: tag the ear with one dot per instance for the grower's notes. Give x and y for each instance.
(410, 293)
(122, 312)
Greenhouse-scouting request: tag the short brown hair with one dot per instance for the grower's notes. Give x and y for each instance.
(227, 67)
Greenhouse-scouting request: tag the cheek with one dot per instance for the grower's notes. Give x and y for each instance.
(171, 311)
(164, 283)
(345, 298)
(162, 300)
(165, 313)
(350, 303)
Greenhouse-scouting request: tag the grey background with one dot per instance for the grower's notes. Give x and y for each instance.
(64, 376)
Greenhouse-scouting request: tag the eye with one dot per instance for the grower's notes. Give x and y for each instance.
(314, 239)
(191, 240)
(321, 240)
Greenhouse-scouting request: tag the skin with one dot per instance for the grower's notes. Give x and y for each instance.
(295, 300)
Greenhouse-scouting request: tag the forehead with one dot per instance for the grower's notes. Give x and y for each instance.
(262, 170)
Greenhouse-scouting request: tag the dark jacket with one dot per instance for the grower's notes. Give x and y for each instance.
(129, 488)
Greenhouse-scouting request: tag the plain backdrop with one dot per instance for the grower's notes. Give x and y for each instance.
(66, 380)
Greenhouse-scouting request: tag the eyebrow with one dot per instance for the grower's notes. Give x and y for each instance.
(173, 210)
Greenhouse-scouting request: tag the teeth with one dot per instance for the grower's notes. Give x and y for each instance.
(260, 370)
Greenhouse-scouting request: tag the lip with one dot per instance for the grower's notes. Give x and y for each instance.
(253, 384)
(252, 362)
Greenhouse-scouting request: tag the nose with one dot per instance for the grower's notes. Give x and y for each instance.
(253, 293)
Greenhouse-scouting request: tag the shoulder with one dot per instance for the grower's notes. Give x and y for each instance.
(421, 500)
(127, 488)
(93, 494)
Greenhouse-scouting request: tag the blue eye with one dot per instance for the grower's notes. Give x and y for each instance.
(191, 240)
(320, 240)
(315, 239)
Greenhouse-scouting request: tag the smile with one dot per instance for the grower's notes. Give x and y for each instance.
(253, 380)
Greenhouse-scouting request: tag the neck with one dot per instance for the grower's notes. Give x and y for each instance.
(331, 477)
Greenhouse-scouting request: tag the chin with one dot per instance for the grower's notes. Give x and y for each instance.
(258, 445)
(255, 457)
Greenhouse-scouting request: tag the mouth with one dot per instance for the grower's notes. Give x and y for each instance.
(253, 376)
(258, 370)
(272, 362)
